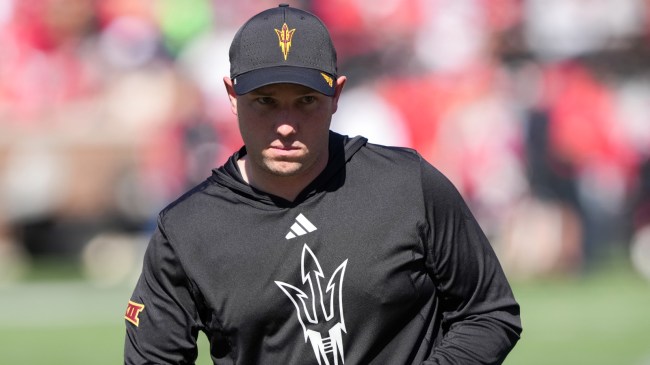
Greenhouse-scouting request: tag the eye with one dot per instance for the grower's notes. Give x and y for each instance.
(265, 100)
(308, 99)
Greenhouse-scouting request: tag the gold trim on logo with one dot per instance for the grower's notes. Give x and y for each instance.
(133, 311)
(284, 37)
(327, 78)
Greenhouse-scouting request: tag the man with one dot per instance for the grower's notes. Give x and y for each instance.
(308, 247)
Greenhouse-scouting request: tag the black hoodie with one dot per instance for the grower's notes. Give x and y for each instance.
(377, 261)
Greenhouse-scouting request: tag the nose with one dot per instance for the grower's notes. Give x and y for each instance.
(286, 124)
(285, 129)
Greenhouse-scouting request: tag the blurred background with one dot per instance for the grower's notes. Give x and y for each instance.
(537, 110)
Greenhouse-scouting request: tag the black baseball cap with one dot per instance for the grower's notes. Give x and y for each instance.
(283, 45)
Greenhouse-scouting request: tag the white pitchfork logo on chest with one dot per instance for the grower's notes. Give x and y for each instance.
(320, 313)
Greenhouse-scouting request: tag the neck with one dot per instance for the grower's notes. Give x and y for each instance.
(286, 187)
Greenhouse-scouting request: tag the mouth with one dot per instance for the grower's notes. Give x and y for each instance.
(285, 151)
(285, 146)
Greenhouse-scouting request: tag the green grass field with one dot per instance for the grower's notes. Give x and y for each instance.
(602, 318)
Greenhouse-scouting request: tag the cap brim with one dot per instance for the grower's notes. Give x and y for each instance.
(311, 78)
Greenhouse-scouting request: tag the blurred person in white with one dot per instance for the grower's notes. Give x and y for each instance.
(562, 29)
(633, 104)
(310, 247)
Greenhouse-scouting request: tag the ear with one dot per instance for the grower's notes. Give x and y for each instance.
(340, 82)
(232, 95)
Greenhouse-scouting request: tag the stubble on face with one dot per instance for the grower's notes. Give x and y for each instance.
(285, 128)
(286, 131)
(291, 157)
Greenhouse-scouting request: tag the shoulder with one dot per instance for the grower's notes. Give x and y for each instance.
(396, 158)
(406, 166)
(185, 203)
(399, 161)
(402, 170)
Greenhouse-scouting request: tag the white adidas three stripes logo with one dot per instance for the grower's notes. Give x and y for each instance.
(301, 227)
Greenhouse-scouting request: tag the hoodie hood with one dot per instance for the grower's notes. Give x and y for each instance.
(341, 150)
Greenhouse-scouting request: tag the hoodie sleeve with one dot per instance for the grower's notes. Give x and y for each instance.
(480, 317)
(162, 322)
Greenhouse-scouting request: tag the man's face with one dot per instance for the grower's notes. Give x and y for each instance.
(285, 128)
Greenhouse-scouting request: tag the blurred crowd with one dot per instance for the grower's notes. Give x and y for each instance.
(537, 110)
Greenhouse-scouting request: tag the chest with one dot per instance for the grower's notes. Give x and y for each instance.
(310, 267)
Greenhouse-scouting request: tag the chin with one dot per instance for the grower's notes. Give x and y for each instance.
(284, 168)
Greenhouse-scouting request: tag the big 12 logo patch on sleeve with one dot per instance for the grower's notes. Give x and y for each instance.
(133, 311)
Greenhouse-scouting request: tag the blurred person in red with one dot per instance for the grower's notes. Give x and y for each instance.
(587, 138)
(43, 64)
(48, 79)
